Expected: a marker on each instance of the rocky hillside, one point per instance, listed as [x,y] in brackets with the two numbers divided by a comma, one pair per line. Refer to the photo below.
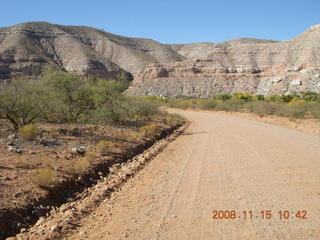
[201,69]
[241,65]
[27,47]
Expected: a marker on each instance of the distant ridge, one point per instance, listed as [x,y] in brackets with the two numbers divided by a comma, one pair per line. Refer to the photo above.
[196,69]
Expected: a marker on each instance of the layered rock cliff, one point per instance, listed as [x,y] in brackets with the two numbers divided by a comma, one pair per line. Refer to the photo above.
[241,65]
[201,69]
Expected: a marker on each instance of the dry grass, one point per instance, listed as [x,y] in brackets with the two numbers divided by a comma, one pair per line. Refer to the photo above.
[29,132]
[105,147]
[303,106]
[81,165]
[148,131]
[23,165]
[173,118]
[53,132]
[44,177]
[130,136]
[90,156]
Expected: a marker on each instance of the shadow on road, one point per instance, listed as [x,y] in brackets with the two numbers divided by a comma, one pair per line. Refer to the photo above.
[192,133]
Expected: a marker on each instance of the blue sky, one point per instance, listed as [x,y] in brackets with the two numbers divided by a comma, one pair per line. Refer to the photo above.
[174,21]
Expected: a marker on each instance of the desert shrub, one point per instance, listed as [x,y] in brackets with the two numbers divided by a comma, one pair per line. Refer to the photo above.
[259,97]
[148,131]
[208,105]
[105,147]
[44,177]
[297,100]
[296,105]
[261,108]
[315,110]
[243,96]
[29,132]
[223,106]
[286,98]
[278,108]
[231,105]
[198,102]
[297,111]
[291,110]
[132,136]
[179,103]
[173,117]
[222,97]
[142,108]
[310,96]
[273,98]
[81,165]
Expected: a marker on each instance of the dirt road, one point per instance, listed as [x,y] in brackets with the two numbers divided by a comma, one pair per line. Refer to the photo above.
[220,163]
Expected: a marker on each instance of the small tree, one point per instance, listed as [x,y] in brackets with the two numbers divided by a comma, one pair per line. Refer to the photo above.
[108,99]
[70,96]
[20,102]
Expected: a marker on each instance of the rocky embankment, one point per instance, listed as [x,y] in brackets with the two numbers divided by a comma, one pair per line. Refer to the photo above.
[60,220]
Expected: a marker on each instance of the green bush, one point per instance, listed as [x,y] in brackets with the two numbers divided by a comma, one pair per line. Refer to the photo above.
[243,96]
[286,98]
[273,98]
[259,97]
[142,108]
[310,96]
[222,97]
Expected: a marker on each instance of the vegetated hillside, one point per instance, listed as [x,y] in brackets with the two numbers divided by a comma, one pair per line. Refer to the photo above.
[245,65]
